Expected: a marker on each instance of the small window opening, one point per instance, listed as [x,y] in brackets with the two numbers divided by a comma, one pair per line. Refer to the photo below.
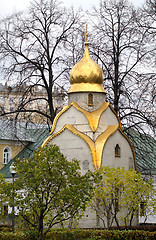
[117,150]
[90,99]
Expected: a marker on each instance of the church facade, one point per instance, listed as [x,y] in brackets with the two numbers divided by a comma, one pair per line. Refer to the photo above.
[88,129]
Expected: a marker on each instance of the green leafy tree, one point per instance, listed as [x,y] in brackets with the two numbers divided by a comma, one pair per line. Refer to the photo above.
[3,196]
[50,189]
[138,196]
[108,191]
[118,195]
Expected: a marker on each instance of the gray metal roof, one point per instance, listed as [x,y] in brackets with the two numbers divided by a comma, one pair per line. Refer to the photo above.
[20,131]
[145,150]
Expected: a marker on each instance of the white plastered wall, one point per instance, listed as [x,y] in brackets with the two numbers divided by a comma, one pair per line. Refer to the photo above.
[107,118]
[73,146]
[73,117]
[82,100]
[109,159]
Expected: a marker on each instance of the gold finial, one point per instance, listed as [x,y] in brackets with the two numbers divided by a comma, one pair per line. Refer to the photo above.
[86,75]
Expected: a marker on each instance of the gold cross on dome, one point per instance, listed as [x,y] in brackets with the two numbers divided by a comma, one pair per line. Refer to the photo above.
[86,34]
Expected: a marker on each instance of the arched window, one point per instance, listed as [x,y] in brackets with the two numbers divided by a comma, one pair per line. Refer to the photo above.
[117,150]
[6,155]
[90,99]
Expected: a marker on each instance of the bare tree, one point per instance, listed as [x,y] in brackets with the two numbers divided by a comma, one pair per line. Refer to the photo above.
[123,43]
[34,52]
[124,49]
[148,16]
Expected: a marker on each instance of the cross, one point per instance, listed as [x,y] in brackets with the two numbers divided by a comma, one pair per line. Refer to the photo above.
[86,34]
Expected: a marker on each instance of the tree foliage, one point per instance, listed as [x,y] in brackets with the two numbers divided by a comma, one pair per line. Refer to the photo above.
[3,196]
[118,195]
[50,190]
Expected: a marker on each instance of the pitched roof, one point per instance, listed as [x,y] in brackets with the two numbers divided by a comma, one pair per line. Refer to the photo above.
[12,130]
[145,150]
[39,136]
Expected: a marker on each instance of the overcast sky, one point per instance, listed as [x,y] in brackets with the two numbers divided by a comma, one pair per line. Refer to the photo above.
[10,6]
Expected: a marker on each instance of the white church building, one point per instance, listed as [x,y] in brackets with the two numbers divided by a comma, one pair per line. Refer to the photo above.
[88,129]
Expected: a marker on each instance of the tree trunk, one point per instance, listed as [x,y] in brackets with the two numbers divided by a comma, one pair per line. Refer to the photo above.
[41,235]
[108,220]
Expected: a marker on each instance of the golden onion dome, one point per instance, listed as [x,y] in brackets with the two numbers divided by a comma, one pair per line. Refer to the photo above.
[86,75]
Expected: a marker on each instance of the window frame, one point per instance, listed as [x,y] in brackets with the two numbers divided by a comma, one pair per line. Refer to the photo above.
[90,99]
[6,155]
[117,150]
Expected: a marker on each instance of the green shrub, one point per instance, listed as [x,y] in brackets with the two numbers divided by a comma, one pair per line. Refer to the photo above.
[5,228]
[81,234]
[19,235]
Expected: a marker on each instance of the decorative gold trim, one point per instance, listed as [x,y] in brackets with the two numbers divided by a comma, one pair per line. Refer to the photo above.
[72,129]
[57,117]
[95,148]
[101,141]
[86,87]
[46,141]
[132,148]
[92,117]
[120,129]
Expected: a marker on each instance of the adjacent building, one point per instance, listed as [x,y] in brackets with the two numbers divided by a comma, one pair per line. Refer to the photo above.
[21,97]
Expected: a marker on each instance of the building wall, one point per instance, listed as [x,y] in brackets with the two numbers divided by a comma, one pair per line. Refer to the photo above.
[82,100]
[73,143]
[11,97]
[15,147]
[72,147]
[124,160]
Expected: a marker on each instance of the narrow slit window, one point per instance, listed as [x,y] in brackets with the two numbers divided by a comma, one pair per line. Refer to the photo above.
[90,99]
[117,151]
